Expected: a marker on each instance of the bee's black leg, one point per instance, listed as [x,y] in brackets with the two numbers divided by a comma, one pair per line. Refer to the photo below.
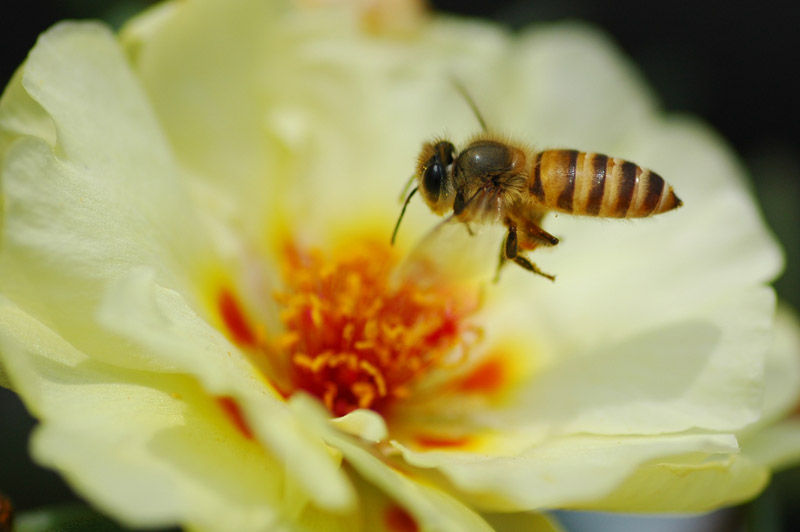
[501,260]
[510,251]
[531,267]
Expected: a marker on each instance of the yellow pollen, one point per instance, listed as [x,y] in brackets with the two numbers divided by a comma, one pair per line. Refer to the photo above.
[356,335]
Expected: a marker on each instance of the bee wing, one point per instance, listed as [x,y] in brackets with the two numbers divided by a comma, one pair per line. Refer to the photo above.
[483,206]
[456,250]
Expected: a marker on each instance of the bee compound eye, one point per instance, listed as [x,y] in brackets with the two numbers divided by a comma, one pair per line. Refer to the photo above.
[432,178]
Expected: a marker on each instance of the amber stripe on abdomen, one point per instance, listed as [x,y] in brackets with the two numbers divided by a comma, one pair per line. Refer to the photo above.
[593,184]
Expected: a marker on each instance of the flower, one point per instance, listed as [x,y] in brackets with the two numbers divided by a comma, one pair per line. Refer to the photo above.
[200,304]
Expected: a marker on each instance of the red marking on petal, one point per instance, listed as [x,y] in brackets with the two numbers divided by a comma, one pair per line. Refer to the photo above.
[234,414]
[488,377]
[235,320]
[398,520]
[441,441]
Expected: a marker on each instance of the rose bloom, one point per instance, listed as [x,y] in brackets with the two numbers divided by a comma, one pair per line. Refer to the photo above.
[201,305]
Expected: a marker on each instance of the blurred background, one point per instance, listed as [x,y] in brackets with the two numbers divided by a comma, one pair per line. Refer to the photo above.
[733,64]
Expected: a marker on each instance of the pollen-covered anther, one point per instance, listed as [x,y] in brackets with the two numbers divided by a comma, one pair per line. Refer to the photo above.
[358,336]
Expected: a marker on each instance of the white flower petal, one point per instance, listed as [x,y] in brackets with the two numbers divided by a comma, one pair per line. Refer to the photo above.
[21,115]
[775,442]
[704,371]
[775,446]
[106,197]
[310,83]
[151,449]
[567,86]
[365,424]
[431,507]
[159,321]
[203,66]
[564,472]
[782,387]
[684,484]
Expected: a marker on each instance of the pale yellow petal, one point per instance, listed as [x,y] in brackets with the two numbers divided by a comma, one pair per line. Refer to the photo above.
[104,198]
[158,323]
[151,449]
[705,370]
[775,446]
[702,371]
[366,424]
[287,86]
[430,506]
[22,115]
[203,66]
[685,484]
[782,372]
[562,472]
[567,86]
[774,441]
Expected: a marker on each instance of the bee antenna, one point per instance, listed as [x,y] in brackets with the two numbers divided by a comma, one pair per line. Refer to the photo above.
[406,187]
[463,91]
[397,225]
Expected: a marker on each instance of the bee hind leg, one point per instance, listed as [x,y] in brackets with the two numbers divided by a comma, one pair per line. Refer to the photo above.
[510,251]
[531,267]
[535,235]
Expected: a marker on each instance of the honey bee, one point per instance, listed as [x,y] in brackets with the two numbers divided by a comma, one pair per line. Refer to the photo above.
[494,180]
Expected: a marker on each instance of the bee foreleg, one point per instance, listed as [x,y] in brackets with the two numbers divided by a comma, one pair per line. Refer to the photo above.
[459,203]
[510,243]
[501,260]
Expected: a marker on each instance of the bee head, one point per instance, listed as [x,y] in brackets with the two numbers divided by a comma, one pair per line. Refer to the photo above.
[434,173]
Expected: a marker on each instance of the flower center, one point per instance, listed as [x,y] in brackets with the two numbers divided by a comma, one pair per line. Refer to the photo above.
[358,334]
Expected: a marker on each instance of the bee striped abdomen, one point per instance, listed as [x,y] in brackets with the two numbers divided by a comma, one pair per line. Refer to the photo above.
[593,184]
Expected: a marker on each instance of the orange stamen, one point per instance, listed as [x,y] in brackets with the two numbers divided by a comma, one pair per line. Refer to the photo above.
[359,338]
